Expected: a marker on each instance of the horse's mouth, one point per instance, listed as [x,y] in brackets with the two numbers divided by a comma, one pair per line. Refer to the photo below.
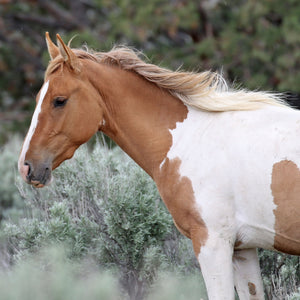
[37,184]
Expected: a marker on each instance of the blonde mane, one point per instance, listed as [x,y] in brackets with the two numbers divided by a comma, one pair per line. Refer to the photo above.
[207,91]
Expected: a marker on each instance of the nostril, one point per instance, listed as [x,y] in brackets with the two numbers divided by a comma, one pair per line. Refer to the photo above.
[29,169]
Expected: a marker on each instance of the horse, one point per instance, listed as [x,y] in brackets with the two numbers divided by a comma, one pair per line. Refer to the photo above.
[225,161]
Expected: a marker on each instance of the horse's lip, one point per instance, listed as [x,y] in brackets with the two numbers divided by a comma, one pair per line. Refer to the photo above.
[37,184]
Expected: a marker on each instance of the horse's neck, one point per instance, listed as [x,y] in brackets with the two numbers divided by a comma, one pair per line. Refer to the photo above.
[138,115]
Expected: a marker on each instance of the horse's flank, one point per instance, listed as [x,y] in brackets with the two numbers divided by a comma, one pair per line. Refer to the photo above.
[207,91]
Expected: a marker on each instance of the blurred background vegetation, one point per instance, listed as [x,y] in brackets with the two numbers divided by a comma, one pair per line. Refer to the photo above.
[102,225]
[254,43]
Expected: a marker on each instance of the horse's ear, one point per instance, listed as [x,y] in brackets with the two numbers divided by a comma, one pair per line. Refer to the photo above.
[68,55]
[52,48]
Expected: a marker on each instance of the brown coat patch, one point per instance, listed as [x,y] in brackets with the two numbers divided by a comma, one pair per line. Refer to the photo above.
[286,192]
[252,288]
[178,195]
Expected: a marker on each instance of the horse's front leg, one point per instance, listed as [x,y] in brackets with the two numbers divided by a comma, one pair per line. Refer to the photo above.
[215,258]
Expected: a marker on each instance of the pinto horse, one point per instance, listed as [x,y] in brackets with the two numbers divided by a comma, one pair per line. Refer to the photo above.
[226,162]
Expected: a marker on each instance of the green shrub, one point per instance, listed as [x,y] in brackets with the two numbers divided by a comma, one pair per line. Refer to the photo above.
[172,286]
[281,274]
[49,275]
[10,198]
[101,204]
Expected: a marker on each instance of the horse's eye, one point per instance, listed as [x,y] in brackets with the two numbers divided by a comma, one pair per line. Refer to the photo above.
[59,101]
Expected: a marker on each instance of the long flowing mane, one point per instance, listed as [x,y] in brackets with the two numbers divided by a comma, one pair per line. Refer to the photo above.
[207,90]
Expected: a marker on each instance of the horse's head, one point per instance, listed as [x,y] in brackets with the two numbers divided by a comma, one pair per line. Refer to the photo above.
[67,114]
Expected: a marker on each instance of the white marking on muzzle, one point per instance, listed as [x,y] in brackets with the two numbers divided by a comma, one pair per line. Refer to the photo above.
[23,169]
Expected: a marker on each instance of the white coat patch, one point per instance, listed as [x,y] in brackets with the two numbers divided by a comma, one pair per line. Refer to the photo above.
[224,157]
[33,125]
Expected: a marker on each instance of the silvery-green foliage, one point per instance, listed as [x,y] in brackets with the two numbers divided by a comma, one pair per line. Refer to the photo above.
[49,275]
[281,274]
[10,199]
[172,286]
[295,296]
[100,204]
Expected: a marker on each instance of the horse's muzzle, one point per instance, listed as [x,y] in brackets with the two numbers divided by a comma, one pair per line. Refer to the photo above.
[37,175]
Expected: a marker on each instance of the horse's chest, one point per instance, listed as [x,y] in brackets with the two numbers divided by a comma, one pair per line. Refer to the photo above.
[183,178]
